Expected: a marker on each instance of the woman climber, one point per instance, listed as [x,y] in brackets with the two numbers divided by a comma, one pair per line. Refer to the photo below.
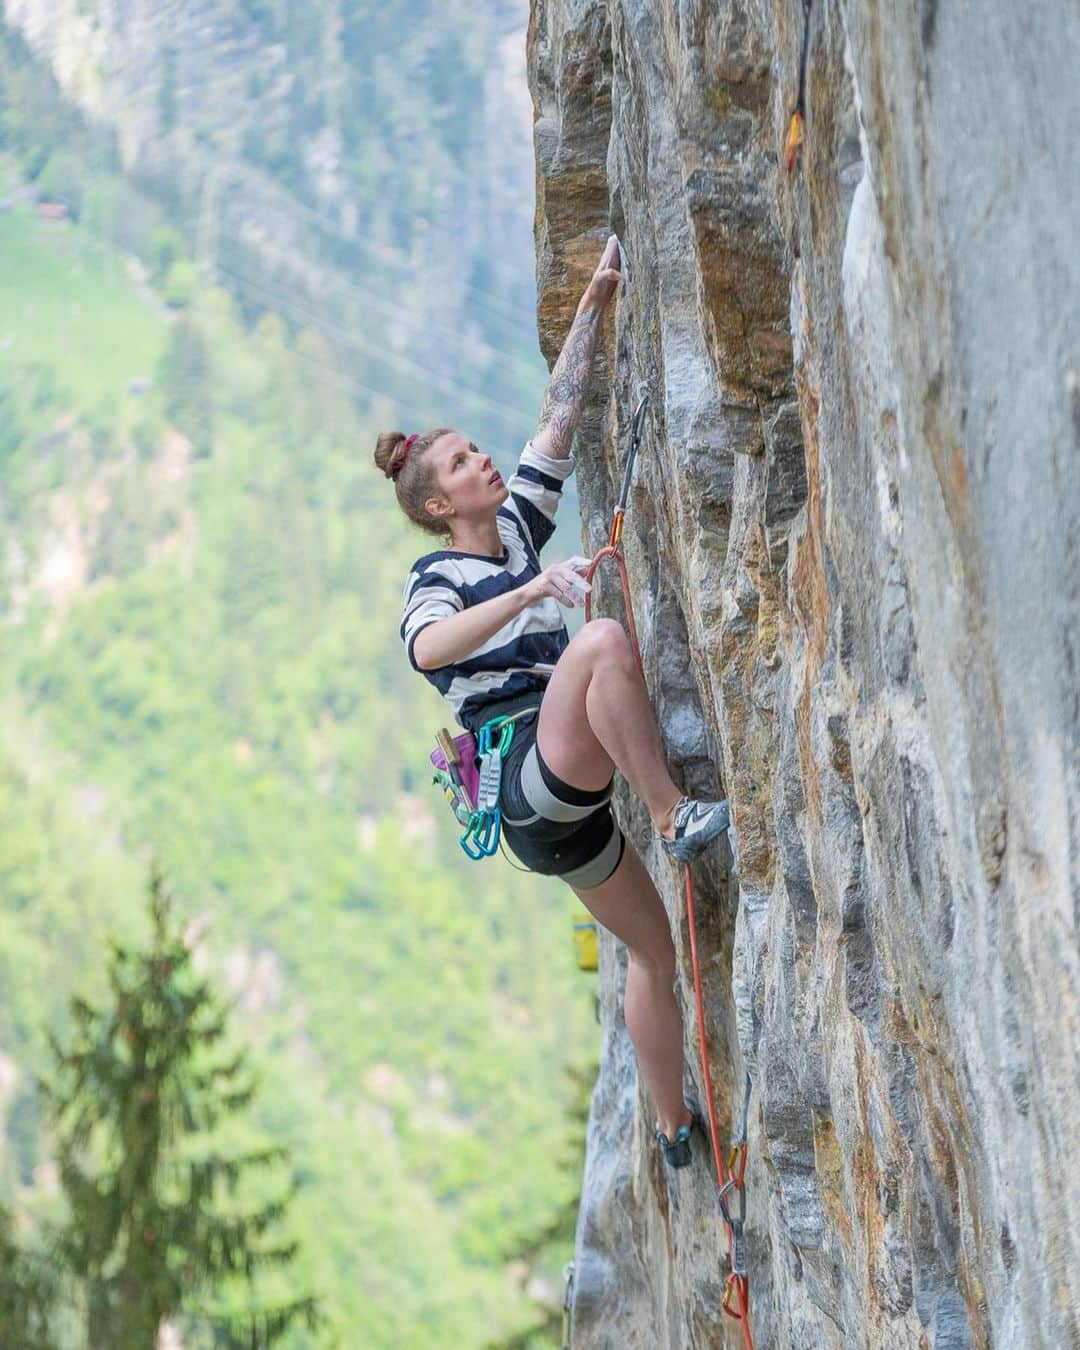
[482,622]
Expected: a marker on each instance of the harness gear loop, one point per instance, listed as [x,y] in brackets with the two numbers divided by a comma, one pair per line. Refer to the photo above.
[736,1300]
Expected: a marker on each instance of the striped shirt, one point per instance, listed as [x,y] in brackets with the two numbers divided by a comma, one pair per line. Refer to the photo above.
[522,654]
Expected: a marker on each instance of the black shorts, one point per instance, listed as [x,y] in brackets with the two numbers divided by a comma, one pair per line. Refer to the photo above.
[553,828]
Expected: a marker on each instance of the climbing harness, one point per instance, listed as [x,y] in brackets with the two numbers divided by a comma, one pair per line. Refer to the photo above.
[730,1168]
[469,770]
[798,117]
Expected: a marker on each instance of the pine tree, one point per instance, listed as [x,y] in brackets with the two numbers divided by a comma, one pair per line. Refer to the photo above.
[185,377]
[134,1107]
[28,1293]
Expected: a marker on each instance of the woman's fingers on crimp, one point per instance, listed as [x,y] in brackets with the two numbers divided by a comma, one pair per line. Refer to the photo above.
[605,279]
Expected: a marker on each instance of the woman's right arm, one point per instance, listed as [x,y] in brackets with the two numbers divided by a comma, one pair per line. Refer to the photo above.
[452,639]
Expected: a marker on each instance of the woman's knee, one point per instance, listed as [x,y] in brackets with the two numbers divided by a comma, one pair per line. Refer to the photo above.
[657,963]
[605,642]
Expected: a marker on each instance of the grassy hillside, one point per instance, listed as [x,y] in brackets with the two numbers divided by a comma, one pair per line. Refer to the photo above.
[200,657]
[67,308]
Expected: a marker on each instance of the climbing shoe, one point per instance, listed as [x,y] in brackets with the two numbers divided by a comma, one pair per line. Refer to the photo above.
[696,825]
[677,1151]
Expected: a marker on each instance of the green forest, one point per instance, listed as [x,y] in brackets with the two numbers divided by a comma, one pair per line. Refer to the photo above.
[199,663]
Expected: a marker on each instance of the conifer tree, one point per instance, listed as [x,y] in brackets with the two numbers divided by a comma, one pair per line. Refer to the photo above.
[134,1106]
[185,376]
[28,1294]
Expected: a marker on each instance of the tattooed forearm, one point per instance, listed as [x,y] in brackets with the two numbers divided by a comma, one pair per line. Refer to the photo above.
[564,397]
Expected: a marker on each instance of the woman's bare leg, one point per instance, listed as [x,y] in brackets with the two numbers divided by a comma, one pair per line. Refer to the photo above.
[596,713]
[627,904]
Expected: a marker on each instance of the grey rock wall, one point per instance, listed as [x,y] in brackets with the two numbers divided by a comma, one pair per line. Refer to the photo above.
[854,547]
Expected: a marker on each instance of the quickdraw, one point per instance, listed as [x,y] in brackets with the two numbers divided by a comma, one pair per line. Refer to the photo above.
[481,837]
[730,1175]
[798,116]
[474,797]
[613,548]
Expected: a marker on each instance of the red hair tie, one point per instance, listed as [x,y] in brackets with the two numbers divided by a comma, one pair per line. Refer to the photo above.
[401,462]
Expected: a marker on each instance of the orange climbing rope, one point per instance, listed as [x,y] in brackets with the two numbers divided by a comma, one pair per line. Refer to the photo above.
[732,1176]
[730,1171]
[613,550]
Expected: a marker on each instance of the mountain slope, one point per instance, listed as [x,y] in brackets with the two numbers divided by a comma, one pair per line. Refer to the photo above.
[201,658]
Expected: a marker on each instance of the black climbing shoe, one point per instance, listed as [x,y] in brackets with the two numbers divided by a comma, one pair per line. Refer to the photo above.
[677,1151]
[696,825]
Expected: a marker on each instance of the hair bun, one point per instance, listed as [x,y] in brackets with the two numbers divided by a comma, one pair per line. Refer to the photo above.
[418,485]
[388,452]
[398,462]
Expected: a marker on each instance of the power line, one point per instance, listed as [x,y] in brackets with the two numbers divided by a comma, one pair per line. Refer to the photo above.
[289,306]
[278,198]
[491,302]
[389,308]
[494,303]
[344,337]
[351,384]
[383,257]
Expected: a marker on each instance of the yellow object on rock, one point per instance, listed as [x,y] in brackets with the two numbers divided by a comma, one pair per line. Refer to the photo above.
[585,939]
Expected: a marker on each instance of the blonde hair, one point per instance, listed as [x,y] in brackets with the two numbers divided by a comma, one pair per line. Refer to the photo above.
[413,480]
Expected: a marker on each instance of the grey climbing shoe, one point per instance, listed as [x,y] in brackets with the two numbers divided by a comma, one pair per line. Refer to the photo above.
[677,1151]
[696,825]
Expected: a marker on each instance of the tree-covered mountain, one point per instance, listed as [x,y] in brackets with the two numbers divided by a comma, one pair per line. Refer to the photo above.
[200,581]
[362,167]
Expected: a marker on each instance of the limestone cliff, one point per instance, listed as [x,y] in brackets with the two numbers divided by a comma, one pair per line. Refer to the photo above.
[854,548]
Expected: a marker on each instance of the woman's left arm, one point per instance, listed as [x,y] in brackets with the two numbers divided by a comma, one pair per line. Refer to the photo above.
[564,398]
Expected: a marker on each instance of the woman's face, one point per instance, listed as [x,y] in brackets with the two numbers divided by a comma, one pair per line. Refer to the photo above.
[466,479]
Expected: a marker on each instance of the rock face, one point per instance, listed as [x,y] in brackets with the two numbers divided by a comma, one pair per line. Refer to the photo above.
[855,552]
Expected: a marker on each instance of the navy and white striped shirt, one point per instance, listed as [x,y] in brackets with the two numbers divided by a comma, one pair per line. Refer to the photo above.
[522,654]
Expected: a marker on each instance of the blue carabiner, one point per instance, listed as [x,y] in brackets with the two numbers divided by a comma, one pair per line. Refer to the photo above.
[487,837]
[484,828]
[472,850]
